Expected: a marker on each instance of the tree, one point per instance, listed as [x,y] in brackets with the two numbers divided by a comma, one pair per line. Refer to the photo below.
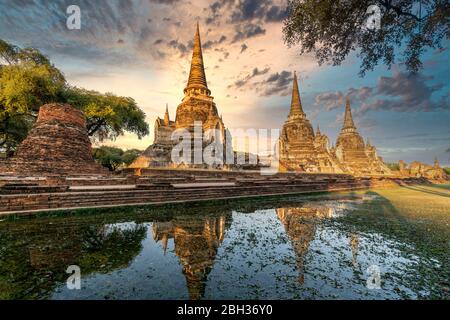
[114,158]
[130,155]
[332,29]
[28,80]
[109,157]
[108,116]
[393,166]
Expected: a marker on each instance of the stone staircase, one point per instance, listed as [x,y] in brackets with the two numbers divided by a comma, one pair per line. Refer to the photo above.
[31,197]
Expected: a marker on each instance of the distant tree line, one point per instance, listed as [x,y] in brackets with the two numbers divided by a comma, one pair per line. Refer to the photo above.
[393,166]
[29,80]
[114,158]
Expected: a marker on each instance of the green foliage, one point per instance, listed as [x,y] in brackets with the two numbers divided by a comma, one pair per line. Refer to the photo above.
[393,166]
[114,158]
[447,170]
[332,29]
[28,80]
[130,155]
[108,116]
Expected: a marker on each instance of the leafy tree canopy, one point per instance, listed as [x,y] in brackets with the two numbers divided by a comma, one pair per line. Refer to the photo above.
[28,80]
[108,116]
[393,166]
[332,29]
[113,158]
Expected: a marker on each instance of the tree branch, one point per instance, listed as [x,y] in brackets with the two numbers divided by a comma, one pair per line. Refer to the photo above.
[93,128]
[389,6]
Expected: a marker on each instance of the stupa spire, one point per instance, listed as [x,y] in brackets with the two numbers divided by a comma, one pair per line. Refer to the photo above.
[436,163]
[296,104]
[166,116]
[348,119]
[197,77]
[318,131]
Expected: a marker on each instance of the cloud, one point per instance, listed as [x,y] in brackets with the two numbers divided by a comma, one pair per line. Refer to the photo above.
[246,31]
[166,2]
[401,92]
[277,83]
[258,10]
[182,48]
[212,43]
[330,100]
[242,82]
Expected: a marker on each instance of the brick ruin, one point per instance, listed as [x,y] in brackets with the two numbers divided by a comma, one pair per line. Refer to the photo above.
[57,144]
[303,150]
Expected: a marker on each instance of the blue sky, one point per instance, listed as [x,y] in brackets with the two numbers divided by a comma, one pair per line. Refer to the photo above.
[142,49]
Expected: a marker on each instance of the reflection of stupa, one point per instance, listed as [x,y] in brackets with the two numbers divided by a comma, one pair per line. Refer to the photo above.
[300,225]
[354,244]
[196,241]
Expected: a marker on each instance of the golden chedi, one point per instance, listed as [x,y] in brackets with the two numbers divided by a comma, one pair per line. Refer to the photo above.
[197,106]
[296,144]
[300,150]
[354,155]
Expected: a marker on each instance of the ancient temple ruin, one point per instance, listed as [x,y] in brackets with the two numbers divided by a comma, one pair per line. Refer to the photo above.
[422,170]
[355,156]
[299,148]
[303,150]
[297,138]
[197,107]
[57,144]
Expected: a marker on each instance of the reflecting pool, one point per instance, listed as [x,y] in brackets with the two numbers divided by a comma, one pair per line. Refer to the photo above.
[378,244]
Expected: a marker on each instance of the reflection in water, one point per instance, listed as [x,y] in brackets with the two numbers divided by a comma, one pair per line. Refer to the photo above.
[354,243]
[196,242]
[34,258]
[292,249]
[300,225]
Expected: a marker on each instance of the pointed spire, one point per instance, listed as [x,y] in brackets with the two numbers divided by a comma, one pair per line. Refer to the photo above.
[436,163]
[318,131]
[197,77]
[368,143]
[166,116]
[296,104]
[348,119]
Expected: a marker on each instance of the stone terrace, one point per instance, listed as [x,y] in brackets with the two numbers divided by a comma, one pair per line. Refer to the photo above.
[26,195]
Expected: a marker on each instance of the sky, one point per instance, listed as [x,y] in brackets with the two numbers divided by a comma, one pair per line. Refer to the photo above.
[142,49]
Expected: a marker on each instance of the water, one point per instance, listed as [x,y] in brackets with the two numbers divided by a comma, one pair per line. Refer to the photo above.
[317,247]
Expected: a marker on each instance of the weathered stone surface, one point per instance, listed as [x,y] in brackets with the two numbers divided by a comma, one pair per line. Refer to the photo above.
[197,106]
[355,156]
[297,151]
[157,186]
[58,144]
[302,150]
[422,170]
